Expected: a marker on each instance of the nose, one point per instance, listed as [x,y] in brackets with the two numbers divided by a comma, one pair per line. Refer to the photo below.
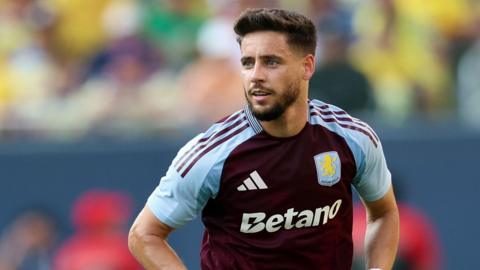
[258,73]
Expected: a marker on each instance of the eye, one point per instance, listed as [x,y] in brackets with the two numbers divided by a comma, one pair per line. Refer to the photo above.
[247,63]
[271,62]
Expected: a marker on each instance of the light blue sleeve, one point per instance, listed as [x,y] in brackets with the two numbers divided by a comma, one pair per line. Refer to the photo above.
[177,200]
[373,177]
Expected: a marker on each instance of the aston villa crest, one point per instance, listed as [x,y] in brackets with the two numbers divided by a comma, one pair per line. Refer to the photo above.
[328,168]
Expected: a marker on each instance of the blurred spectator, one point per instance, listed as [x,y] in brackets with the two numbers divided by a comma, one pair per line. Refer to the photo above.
[419,246]
[403,48]
[119,73]
[123,87]
[335,79]
[121,21]
[78,32]
[211,85]
[100,239]
[26,66]
[172,25]
[28,242]
[468,68]
[468,86]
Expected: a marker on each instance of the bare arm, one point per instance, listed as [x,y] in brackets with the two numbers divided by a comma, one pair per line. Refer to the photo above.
[381,239]
[147,241]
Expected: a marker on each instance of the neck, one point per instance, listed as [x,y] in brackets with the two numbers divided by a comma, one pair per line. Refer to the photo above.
[291,122]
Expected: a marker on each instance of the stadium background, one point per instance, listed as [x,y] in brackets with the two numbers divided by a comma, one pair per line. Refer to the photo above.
[100,95]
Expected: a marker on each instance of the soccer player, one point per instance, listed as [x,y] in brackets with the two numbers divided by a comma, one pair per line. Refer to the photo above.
[273,181]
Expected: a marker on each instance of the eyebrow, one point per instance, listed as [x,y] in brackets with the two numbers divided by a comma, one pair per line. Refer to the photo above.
[270,56]
[263,57]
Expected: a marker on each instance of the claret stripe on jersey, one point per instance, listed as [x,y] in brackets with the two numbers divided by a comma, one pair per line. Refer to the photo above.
[345,117]
[212,136]
[202,144]
[237,127]
[349,118]
[242,128]
[318,112]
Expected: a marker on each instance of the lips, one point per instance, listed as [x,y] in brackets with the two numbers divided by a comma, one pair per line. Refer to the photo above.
[260,95]
[260,92]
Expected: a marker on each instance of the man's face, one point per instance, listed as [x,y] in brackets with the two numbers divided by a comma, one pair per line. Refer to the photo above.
[272,74]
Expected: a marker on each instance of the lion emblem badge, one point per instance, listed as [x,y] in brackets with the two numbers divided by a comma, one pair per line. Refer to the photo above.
[328,168]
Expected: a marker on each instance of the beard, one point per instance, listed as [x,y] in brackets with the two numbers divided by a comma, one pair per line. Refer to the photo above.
[289,96]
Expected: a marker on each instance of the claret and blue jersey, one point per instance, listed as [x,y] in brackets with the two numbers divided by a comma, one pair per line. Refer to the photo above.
[274,203]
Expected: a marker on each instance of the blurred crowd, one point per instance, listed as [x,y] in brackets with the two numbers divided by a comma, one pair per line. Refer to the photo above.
[99,240]
[76,68]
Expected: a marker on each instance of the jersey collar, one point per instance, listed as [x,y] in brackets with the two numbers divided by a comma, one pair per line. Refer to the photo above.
[252,120]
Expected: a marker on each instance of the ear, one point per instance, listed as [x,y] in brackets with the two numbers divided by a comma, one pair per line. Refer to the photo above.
[308,66]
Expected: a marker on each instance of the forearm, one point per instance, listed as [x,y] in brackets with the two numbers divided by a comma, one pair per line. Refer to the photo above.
[381,240]
[147,242]
[154,253]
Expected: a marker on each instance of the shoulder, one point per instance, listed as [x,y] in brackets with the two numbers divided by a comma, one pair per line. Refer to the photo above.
[215,144]
[373,178]
[337,120]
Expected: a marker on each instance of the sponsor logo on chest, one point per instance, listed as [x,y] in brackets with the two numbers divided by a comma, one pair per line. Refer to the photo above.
[258,222]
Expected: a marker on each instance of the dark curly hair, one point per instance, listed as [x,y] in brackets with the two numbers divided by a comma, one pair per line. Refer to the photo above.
[300,30]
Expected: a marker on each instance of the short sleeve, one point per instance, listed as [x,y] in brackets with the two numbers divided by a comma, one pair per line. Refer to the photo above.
[177,200]
[373,177]
[194,176]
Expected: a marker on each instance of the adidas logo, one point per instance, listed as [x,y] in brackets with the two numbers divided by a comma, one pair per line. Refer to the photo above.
[252,183]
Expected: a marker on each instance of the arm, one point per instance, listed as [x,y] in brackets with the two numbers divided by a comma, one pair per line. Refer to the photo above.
[147,241]
[382,235]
